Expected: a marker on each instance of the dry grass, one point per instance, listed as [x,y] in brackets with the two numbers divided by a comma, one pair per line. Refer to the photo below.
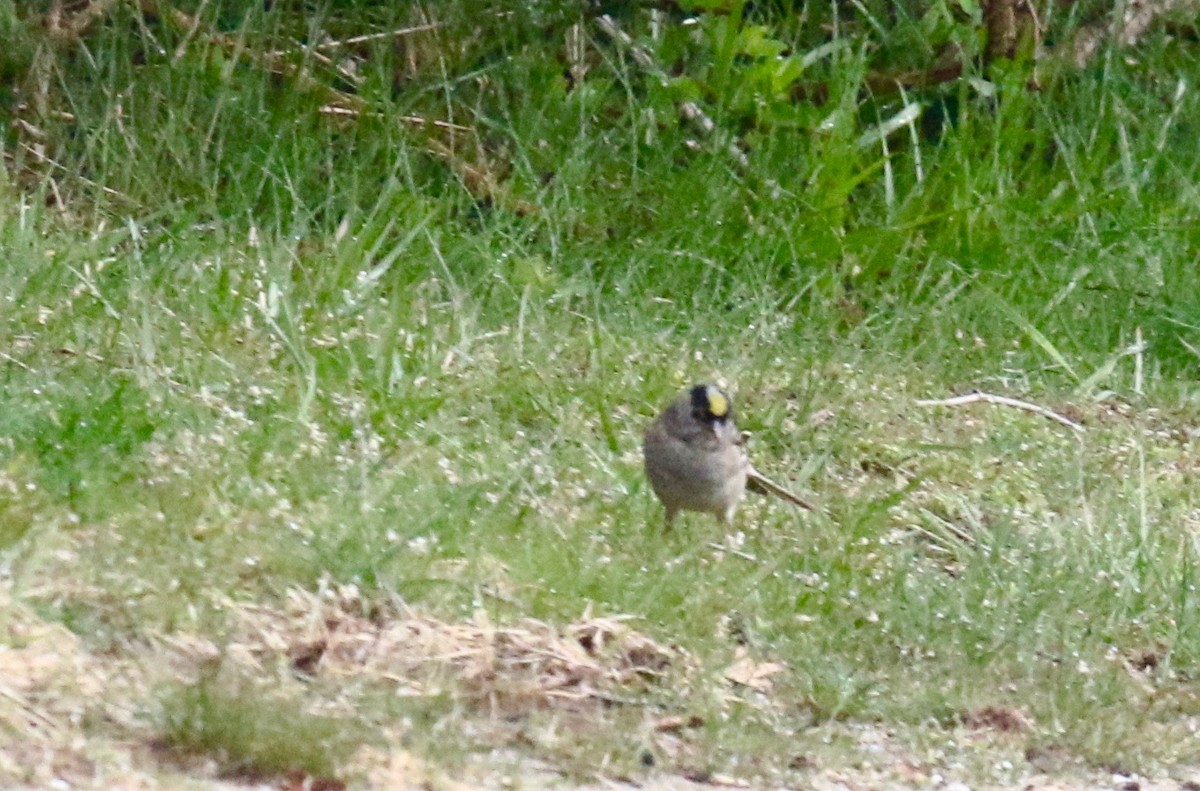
[504,671]
[75,719]
[83,718]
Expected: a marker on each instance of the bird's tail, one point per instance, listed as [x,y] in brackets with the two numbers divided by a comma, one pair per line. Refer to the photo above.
[757,482]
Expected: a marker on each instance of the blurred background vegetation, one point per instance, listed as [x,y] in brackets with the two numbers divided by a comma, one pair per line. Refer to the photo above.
[876,151]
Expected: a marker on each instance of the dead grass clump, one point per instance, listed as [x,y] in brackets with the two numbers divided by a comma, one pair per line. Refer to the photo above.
[233,707]
[509,669]
[47,688]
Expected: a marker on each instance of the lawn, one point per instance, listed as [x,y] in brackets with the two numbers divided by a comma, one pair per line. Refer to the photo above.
[325,363]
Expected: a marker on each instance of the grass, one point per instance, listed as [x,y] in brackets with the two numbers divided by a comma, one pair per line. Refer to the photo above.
[252,734]
[288,352]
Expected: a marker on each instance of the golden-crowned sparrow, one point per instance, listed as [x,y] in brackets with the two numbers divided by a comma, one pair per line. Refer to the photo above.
[696,460]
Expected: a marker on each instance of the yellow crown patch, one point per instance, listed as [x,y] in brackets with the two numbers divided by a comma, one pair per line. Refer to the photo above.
[718,404]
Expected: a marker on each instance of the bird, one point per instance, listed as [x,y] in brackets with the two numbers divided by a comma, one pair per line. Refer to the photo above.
[695,457]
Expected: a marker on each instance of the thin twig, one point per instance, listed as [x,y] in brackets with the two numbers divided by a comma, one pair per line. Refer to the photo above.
[345,42]
[737,552]
[959,533]
[991,398]
[416,120]
[938,542]
[9,358]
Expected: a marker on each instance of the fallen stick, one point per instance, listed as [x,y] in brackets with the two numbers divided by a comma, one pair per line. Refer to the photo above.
[990,398]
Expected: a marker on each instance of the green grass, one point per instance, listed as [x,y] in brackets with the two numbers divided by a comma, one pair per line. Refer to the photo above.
[288,351]
[251,733]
